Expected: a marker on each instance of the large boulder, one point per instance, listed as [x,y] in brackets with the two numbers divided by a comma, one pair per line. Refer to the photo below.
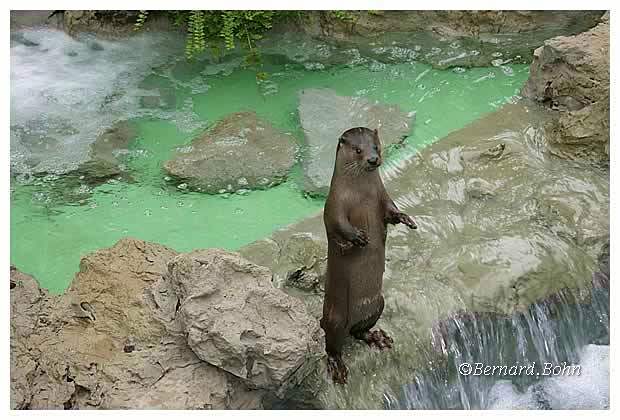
[239,152]
[117,338]
[325,115]
[570,75]
[236,320]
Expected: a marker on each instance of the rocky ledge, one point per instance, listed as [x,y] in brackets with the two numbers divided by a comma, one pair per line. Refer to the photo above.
[143,326]
[570,76]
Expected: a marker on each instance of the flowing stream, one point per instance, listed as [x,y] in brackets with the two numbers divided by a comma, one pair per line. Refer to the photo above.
[66,92]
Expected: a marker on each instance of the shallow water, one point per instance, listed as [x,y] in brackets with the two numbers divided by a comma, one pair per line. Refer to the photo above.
[66,92]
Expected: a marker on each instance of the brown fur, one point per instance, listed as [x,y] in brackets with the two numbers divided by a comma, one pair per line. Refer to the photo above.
[356,215]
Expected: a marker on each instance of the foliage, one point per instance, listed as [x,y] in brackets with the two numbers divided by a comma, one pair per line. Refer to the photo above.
[342,15]
[246,26]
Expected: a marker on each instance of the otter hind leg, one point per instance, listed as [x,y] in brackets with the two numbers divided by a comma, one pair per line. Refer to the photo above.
[377,338]
[335,334]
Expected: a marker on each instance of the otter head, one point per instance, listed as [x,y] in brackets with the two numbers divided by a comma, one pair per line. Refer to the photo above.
[359,151]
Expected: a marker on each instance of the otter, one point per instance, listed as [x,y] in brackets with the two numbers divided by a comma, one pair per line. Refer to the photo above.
[356,215]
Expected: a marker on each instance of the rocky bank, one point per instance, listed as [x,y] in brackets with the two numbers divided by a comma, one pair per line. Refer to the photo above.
[570,76]
[143,326]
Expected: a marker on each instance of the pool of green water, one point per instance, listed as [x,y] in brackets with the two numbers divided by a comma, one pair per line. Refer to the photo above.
[48,236]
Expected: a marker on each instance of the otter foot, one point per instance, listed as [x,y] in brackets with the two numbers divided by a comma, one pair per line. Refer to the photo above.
[377,338]
[495,151]
[338,370]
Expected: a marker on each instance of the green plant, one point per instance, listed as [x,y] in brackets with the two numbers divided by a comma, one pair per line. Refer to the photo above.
[342,15]
[204,27]
[142,15]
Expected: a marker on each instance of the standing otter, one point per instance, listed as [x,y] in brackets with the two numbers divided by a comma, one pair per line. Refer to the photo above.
[356,215]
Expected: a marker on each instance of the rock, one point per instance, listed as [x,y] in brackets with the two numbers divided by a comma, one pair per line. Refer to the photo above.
[112,23]
[236,320]
[21,19]
[18,38]
[240,151]
[304,262]
[117,338]
[570,75]
[443,38]
[103,162]
[325,115]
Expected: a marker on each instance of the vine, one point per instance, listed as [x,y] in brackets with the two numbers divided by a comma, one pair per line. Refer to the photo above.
[232,26]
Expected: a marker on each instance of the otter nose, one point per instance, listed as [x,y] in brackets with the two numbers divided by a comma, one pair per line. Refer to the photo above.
[373,160]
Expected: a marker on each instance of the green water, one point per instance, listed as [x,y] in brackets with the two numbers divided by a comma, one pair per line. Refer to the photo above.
[49,235]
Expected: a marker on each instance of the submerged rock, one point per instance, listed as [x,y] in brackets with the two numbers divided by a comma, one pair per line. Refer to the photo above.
[325,115]
[570,75]
[117,338]
[240,151]
[104,162]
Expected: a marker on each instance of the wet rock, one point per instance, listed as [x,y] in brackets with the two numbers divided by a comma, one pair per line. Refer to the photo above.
[570,75]
[236,320]
[18,38]
[303,262]
[446,38]
[325,115]
[480,188]
[103,162]
[600,278]
[240,151]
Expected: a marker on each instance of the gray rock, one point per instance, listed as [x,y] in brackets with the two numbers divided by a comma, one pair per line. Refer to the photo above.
[570,75]
[325,115]
[240,151]
[303,262]
[104,162]
[479,188]
[237,321]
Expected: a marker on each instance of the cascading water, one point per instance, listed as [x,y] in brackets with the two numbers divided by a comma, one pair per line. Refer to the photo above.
[564,341]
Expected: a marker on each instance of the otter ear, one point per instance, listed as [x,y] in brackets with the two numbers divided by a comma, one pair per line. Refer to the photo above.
[341,141]
[376,135]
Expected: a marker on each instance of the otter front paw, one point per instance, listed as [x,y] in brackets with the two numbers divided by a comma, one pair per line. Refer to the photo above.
[360,238]
[405,219]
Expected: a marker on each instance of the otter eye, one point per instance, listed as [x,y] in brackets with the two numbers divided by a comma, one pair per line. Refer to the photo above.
[358,150]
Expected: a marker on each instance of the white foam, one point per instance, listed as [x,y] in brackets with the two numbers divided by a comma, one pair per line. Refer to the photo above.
[586,391]
[65,92]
